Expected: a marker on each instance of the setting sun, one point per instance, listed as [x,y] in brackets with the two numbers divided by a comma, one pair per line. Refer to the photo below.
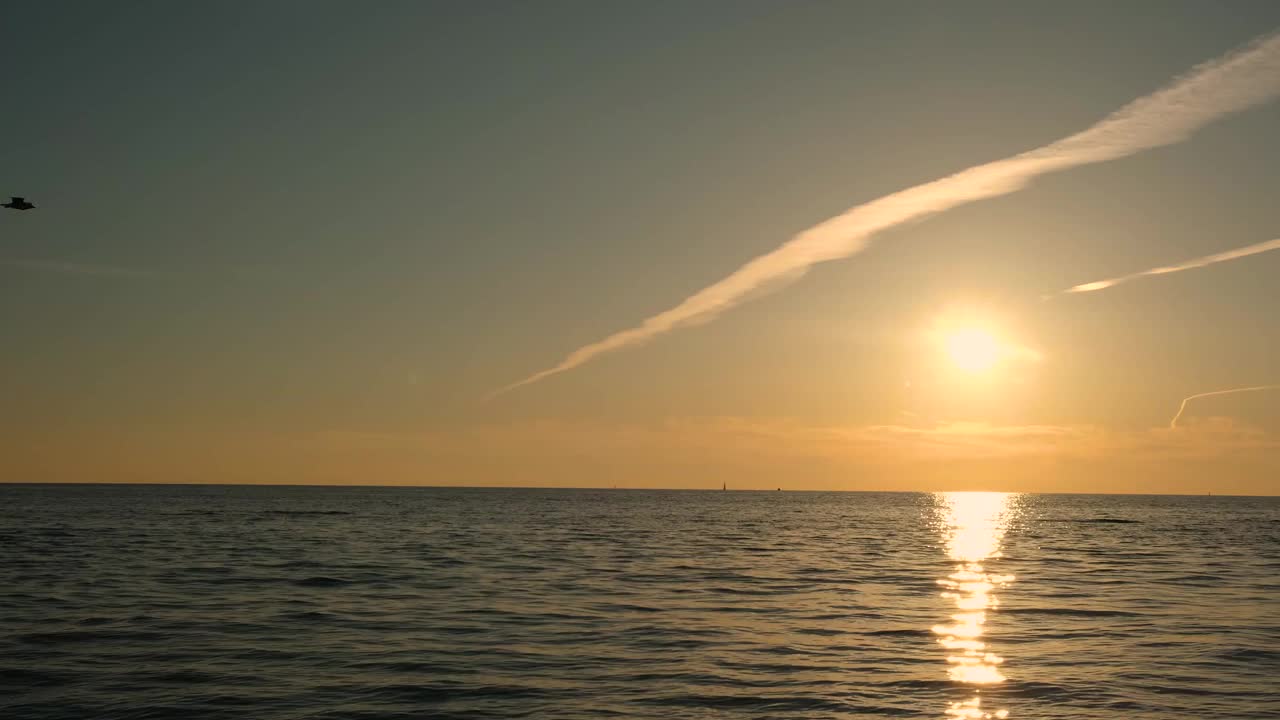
[971,349]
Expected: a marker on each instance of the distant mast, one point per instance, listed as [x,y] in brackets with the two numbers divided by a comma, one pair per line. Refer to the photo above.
[725,486]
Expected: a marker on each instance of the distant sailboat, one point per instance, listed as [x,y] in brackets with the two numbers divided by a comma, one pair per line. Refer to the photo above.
[724,486]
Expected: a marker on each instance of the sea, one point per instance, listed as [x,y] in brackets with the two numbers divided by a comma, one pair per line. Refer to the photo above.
[362,603]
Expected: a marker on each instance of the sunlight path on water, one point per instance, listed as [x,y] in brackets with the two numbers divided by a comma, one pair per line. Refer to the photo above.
[972,525]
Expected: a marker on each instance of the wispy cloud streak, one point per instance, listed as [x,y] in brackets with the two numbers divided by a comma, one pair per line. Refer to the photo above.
[1188,265]
[1173,424]
[67,268]
[1239,80]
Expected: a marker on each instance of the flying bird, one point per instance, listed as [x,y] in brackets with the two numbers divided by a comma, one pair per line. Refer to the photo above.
[18,203]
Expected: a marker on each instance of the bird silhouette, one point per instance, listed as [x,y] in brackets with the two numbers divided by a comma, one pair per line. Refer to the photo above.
[18,203]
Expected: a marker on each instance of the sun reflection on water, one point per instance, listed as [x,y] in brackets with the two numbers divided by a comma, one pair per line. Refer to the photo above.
[972,524]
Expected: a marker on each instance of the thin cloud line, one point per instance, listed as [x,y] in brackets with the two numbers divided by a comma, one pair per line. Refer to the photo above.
[1234,82]
[1173,424]
[68,268]
[1188,265]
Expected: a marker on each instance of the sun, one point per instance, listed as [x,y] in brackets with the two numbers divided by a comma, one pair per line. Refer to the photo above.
[975,344]
[972,349]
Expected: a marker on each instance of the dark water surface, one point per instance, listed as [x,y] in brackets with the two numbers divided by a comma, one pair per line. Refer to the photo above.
[270,603]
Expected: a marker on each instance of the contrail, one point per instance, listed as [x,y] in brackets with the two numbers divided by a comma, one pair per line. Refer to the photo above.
[1188,265]
[1239,80]
[1173,424]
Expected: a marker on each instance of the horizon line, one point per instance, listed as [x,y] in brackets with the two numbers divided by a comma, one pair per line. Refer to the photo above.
[599,487]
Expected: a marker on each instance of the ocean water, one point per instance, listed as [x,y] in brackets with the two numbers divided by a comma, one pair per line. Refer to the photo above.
[288,603]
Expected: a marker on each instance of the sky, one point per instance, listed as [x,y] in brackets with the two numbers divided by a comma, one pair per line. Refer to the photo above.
[306,242]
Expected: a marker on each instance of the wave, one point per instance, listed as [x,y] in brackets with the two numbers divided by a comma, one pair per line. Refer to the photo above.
[1067,612]
[322,581]
[302,513]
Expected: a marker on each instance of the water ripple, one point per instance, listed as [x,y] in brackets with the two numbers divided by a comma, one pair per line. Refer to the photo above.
[133,602]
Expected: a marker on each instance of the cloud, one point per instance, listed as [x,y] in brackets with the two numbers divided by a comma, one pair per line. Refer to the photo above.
[750,440]
[67,268]
[1218,454]
[1187,265]
[1173,423]
[1237,81]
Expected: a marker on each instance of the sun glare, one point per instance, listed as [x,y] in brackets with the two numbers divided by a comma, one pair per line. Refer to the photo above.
[973,525]
[971,349]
